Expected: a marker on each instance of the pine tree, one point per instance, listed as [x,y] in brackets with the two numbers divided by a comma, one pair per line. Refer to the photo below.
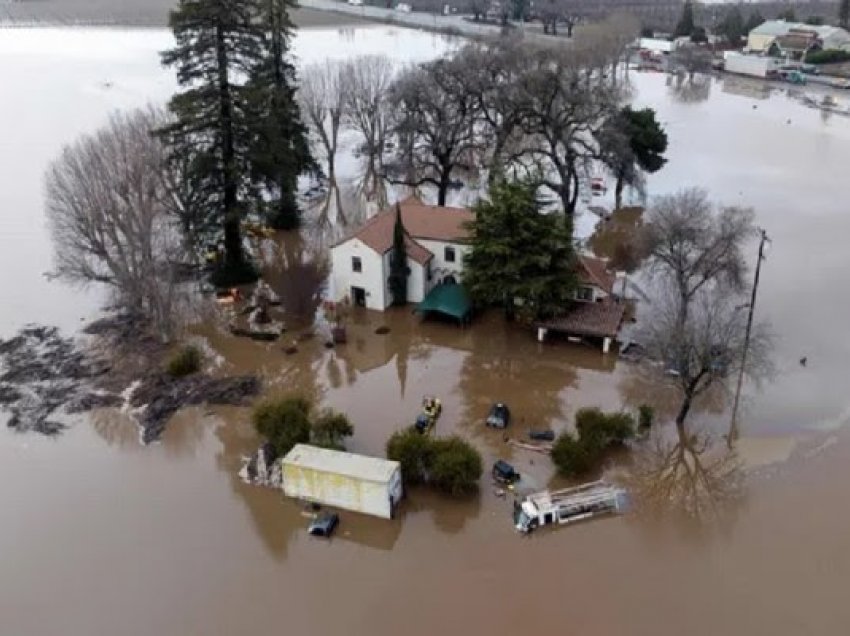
[217,41]
[686,22]
[280,148]
[844,13]
[520,253]
[398,261]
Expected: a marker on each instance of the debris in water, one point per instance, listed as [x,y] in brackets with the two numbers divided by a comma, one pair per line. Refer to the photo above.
[382,330]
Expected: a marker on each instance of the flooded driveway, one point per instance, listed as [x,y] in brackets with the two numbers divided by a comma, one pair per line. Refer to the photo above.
[101,535]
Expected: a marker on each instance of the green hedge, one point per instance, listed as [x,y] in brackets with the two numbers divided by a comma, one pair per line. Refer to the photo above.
[448,464]
[598,432]
[829,56]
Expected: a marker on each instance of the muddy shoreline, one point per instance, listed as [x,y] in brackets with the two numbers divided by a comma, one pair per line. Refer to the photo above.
[46,377]
[131,13]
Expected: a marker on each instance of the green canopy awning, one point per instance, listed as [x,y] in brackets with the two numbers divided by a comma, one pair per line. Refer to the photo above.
[449,299]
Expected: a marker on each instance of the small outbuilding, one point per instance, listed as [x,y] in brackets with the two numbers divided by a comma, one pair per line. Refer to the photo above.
[370,485]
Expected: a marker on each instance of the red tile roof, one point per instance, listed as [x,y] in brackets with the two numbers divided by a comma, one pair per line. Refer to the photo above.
[594,271]
[421,221]
[600,319]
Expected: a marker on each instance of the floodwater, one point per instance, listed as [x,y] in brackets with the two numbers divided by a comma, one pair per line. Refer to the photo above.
[102,536]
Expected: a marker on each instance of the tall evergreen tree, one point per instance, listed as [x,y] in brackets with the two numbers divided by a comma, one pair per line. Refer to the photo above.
[398,261]
[686,22]
[844,13]
[756,19]
[280,149]
[520,254]
[218,43]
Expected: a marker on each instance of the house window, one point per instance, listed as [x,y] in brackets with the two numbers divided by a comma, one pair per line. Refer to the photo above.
[450,254]
[356,264]
[584,293]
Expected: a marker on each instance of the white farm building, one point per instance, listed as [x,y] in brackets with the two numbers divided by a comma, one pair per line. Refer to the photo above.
[437,239]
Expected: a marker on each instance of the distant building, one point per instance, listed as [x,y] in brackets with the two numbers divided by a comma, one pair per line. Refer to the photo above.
[796,37]
[437,241]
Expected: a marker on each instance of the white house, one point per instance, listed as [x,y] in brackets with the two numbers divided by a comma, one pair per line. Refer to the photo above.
[437,241]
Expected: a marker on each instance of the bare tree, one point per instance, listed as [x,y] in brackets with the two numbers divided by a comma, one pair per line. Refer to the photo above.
[706,349]
[367,81]
[322,101]
[435,126]
[692,60]
[694,247]
[563,112]
[107,208]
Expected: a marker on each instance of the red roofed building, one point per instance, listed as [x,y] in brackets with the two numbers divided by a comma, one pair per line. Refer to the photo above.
[437,240]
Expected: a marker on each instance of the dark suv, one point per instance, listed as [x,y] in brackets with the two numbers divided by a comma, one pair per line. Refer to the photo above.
[499,416]
[504,473]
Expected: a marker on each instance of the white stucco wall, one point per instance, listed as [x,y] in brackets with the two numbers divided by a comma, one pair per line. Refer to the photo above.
[417,285]
[439,266]
[372,277]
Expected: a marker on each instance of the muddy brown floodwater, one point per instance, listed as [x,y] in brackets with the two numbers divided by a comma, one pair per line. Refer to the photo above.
[101,535]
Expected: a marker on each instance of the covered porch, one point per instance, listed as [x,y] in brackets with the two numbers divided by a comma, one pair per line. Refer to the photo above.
[596,320]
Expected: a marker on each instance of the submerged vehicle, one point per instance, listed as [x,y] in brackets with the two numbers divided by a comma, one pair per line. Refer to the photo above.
[427,419]
[546,435]
[499,416]
[569,505]
[504,473]
[324,524]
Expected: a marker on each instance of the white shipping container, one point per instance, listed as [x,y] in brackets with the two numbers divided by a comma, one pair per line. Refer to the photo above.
[344,480]
[752,65]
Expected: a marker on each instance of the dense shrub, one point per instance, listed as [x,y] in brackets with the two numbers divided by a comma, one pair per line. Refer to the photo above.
[415,453]
[829,56]
[451,464]
[597,433]
[185,361]
[288,421]
[572,457]
[604,429]
[329,428]
[283,422]
[456,466]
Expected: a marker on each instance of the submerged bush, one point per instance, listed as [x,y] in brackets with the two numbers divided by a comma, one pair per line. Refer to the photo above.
[456,466]
[283,422]
[288,421]
[185,361]
[598,432]
[414,452]
[828,56]
[329,428]
[451,465]
[572,457]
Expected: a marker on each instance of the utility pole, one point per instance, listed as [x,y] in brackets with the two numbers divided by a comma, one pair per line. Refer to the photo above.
[733,426]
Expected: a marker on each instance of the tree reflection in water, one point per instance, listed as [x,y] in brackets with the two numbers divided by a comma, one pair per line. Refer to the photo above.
[689,91]
[692,477]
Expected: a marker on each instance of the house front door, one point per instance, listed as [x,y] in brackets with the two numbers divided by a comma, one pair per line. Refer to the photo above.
[358,296]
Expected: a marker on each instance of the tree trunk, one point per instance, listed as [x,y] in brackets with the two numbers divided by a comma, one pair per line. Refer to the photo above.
[443,187]
[232,231]
[618,192]
[684,409]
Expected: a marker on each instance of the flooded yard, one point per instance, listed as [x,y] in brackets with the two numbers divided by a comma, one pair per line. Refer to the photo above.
[103,535]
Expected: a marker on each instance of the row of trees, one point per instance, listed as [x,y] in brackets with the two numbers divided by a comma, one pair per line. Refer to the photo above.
[236,123]
[510,107]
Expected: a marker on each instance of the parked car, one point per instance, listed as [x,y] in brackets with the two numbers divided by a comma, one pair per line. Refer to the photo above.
[504,473]
[499,416]
[324,524]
